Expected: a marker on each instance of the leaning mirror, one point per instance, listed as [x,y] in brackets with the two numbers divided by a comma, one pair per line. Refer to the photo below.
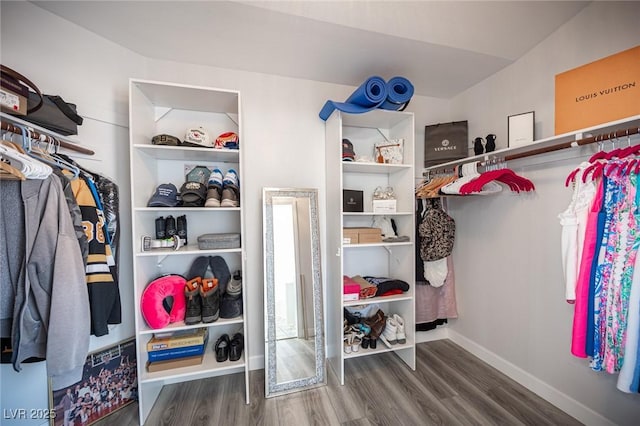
[294,331]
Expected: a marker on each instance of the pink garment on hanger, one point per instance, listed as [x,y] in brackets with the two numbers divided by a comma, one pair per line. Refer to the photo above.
[434,303]
[579,335]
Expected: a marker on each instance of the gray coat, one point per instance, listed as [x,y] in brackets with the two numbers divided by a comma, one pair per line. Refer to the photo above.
[51,316]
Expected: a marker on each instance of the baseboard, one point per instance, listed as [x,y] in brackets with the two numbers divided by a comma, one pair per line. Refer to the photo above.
[431,335]
[567,404]
[256,362]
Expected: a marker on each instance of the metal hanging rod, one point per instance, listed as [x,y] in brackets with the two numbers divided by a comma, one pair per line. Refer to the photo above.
[585,141]
[492,156]
[10,127]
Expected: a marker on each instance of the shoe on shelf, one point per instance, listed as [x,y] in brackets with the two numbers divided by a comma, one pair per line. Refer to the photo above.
[234,288]
[222,348]
[366,341]
[236,346]
[210,296]
[348,342]
[220,270]
[193,314]
[230,189]
[373,343]
[400,334]
[214,189]
[389,334]
[357,340]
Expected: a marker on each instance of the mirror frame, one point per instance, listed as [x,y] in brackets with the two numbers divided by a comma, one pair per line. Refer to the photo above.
[272,388]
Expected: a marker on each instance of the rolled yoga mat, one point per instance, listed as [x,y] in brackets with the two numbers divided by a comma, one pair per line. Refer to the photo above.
[370,95]
[399,93]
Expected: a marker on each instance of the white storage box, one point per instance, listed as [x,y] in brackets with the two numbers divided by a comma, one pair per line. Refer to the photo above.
[384,206]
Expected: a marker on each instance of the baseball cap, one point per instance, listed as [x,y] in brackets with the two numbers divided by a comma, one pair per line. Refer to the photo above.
[198,137]
[165,139]
[165,195]
[227,140]
[348,154]
[199,174]
[193,194]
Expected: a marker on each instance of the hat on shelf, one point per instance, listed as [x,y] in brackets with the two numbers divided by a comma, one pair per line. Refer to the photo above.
[198,174]
[348,154]
[165,139]
[193,194]
[228,140]
[197,137]
[165,195]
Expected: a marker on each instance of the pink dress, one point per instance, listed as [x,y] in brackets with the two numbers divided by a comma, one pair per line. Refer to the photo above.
[578,340]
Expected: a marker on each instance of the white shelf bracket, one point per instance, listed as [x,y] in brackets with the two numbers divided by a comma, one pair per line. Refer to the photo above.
[160,112]
[383,135]
[232,117]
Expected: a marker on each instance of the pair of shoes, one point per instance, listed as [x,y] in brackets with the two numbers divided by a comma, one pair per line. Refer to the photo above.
[376,323]
[169,226]
[353,338]
[480,146]
[203,289]
[394,331]
[223,191]
[231,349]
[368,342]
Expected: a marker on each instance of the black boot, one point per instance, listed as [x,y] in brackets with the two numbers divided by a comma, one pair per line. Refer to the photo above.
[491,142]
[478,148]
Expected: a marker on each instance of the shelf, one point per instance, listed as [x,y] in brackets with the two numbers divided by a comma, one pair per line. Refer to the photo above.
[382,299]
[380,348]
[355,167]
[188,97]
[177,326]
[376,119]
[187,209]
[404,243]
[186,250]
[164,152]
[206,369]
[612,126]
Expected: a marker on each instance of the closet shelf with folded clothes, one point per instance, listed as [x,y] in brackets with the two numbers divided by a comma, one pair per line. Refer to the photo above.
[11,124]
[606,131]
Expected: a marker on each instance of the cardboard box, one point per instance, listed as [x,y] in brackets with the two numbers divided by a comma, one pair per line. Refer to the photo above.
[349,236]
[152,367]
[384,206]
[365,235]
[12,103]
[352,201]
[598,92]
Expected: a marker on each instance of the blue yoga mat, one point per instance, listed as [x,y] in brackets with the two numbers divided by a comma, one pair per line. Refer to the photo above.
[371,94]
[399,93]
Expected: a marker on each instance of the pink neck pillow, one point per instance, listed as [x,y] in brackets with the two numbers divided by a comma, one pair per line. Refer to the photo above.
[163,301]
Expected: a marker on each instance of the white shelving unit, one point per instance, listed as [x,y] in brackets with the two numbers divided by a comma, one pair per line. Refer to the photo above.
[156,108]
[393,260]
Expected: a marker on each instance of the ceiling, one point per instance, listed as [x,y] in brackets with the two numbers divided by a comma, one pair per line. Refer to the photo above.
[442,47]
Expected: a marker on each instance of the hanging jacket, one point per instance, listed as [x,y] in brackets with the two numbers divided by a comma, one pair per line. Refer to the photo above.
[51,306]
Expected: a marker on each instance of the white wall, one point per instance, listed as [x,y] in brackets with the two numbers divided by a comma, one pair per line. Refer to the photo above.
[507,254]
[282,140]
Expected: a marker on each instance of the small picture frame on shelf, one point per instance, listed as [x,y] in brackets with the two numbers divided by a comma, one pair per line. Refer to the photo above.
[520,129]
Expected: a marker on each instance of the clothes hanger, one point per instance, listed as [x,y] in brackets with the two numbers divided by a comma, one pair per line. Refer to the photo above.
[7,170]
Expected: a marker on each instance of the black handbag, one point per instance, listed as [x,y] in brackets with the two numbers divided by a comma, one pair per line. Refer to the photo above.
[48,111]
[55,114]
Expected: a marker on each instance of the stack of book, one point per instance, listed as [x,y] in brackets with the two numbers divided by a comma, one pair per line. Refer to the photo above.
[176,349]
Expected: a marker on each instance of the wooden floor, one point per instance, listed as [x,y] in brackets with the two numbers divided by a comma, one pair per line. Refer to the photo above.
[449,387]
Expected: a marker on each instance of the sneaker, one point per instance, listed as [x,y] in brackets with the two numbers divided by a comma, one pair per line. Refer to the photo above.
[230,197]
[234,288]
[230,189]
[210,295]
[214,189]
[400,335]
[193,313]
[390,334]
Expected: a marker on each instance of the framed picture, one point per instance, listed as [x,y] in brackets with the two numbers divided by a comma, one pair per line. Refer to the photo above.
[109,382]
[520,129]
